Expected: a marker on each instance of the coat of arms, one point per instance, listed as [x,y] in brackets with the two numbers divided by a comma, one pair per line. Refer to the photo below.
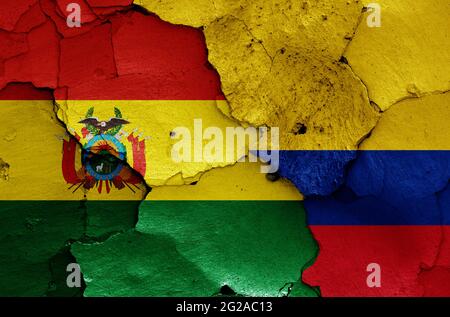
[104,156]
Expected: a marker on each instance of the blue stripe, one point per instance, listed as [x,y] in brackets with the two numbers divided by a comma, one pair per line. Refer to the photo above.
[371,187]
[315,172]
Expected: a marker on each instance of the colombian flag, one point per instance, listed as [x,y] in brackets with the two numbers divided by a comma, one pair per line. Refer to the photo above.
[392,209]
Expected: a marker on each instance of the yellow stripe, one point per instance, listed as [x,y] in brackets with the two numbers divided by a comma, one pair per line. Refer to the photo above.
[413,124]
[31,144]
[242,181]
[155,120]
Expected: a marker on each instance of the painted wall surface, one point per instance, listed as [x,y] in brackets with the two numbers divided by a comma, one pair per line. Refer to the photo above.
[358,92]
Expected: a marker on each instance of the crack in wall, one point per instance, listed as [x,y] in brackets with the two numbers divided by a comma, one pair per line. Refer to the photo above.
[391,72]
[4,170]
[86,239]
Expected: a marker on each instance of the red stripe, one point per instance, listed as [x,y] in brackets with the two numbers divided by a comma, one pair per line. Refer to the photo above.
[408,255]
[24,91]
[109,3]
[126,56]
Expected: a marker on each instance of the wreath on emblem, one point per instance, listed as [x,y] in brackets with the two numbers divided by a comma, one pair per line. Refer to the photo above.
[114,125]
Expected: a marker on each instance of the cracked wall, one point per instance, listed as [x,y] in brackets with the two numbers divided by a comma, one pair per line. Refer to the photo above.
[291,75]
[393,208]
[4,170]
[408,56]
[40,217]
[234,235]
[356,158]
[154,101]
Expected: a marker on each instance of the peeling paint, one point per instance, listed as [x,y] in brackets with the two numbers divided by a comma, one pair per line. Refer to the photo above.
[162,170]
[234,234]
[406,57]
[413,124]
[393,208]
[40,216]
[279,66]
[4,170]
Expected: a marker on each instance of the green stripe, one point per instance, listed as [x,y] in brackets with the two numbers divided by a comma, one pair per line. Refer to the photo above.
[192,248]
[34,235]
[179,248]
